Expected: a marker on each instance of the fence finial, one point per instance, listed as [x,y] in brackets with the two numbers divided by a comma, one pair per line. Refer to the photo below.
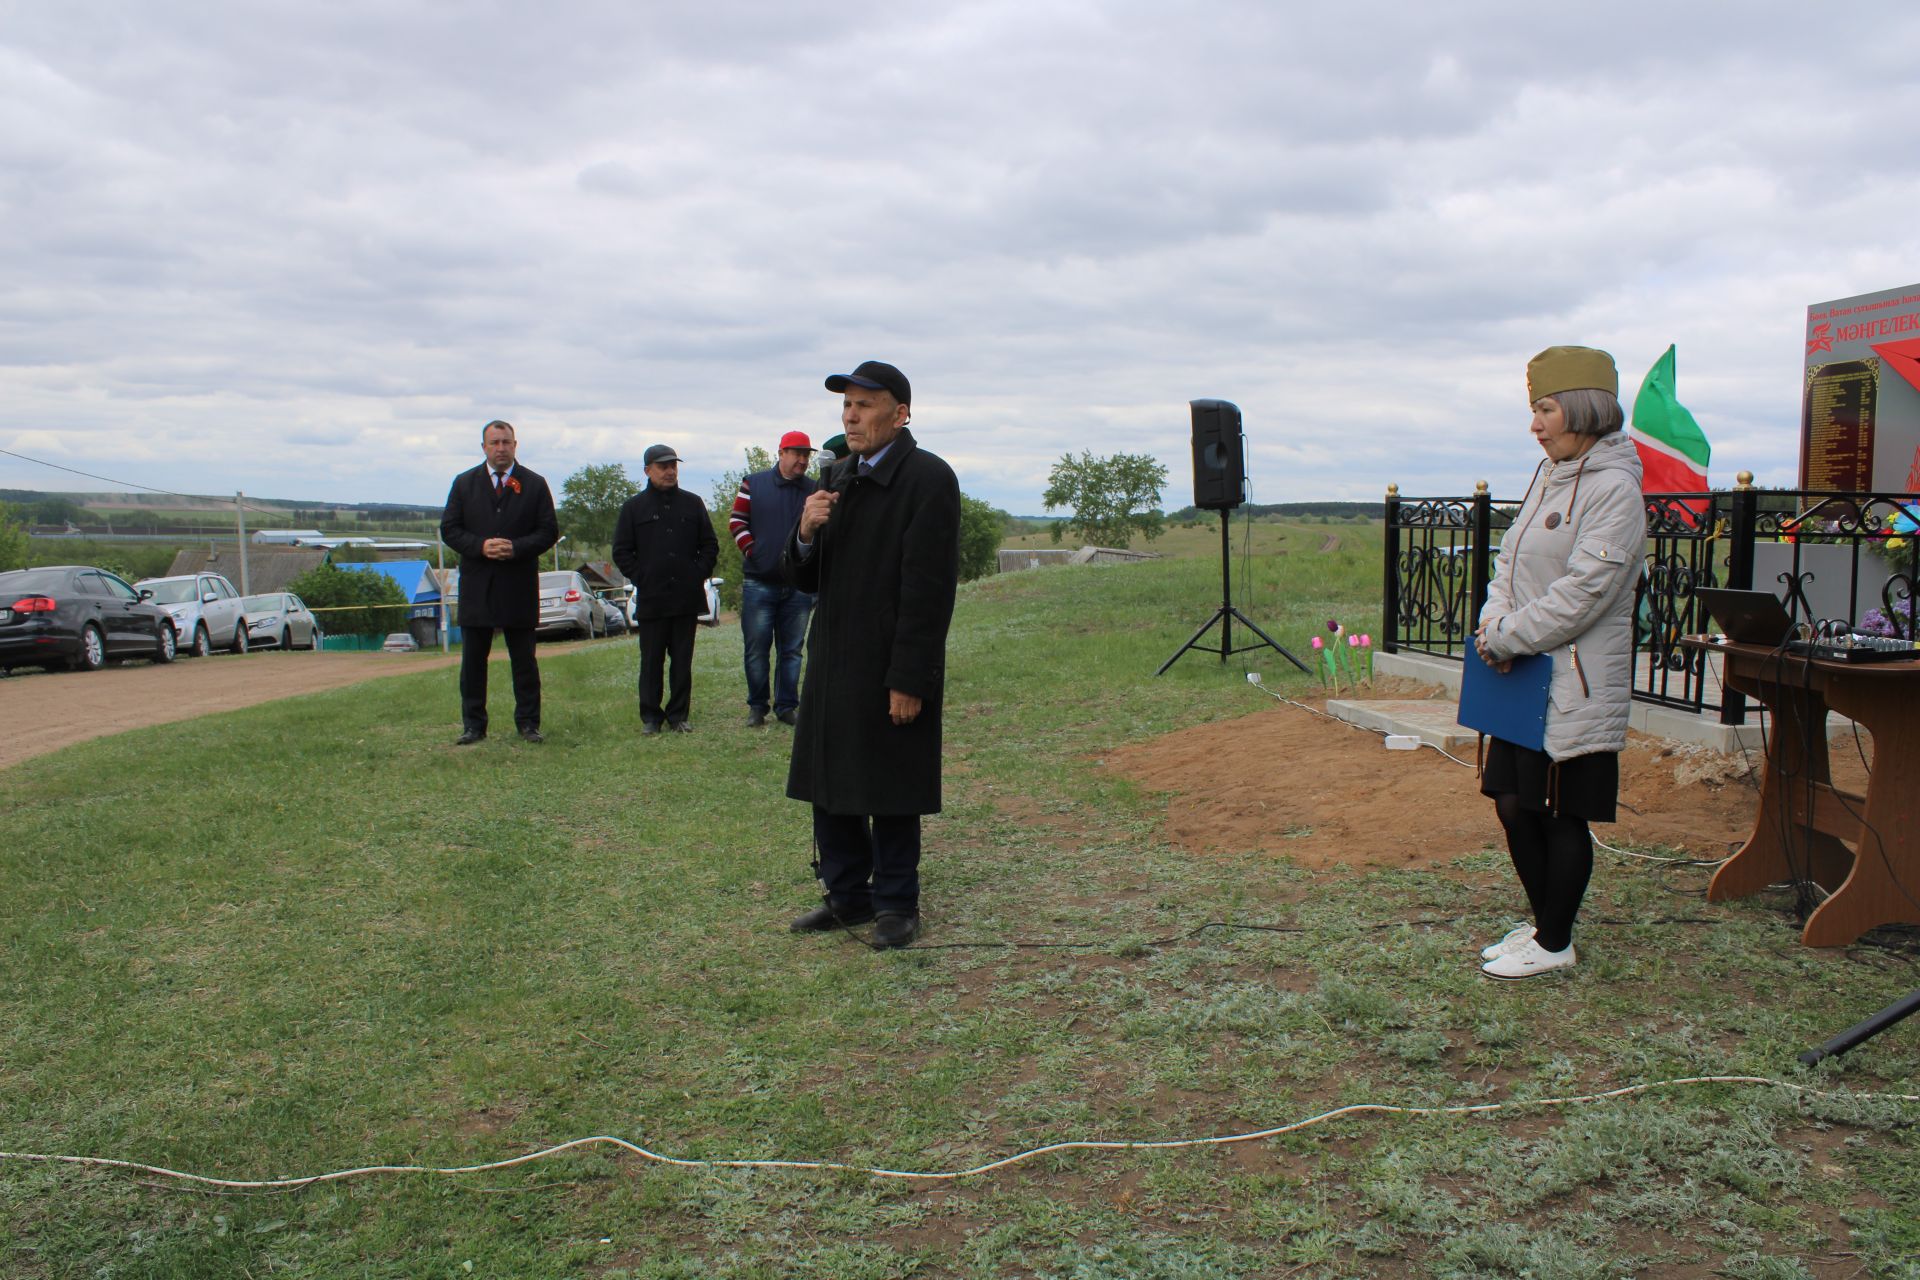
[1479,487]
[1744,480]
[1393,491]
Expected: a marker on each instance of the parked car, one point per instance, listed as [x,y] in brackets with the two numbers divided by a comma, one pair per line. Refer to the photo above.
[281,620]
[711,618]
[207,611]
[616,611]
[568,607]
[78,617]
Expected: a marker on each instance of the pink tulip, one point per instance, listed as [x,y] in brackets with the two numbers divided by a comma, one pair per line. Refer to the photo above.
[1317,644]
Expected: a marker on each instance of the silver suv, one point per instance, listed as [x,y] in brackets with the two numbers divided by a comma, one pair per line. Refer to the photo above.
[207,612]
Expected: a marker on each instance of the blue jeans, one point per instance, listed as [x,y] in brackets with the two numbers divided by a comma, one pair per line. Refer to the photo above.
[776,615]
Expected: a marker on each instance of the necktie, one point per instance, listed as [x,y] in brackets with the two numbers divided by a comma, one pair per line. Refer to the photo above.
[499,482]
[866,468]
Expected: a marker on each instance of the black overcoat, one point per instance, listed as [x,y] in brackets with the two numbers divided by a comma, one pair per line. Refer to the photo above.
[884,568]
[499,593]
[664,543]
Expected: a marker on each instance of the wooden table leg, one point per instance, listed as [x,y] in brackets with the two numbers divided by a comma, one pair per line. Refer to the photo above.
[1784,845]
[1884,887]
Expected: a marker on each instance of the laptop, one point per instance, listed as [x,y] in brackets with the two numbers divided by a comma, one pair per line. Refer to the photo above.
[1747,617]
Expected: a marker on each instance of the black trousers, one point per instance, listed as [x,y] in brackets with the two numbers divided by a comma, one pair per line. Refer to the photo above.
[476,644]
[869,859]
[664,640]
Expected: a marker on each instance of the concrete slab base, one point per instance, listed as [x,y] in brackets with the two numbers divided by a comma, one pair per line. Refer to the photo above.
[1655,721]
[1430,720]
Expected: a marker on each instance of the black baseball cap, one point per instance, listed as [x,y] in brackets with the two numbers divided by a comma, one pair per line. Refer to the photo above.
[659,453]
[875,375]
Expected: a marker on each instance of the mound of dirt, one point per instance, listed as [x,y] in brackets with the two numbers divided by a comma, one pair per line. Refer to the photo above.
[1286,781]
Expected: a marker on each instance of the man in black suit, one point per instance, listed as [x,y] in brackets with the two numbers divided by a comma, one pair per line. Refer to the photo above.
[666,546]
[499,517]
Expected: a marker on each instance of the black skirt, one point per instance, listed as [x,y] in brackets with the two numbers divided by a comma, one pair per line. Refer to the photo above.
[1581,787]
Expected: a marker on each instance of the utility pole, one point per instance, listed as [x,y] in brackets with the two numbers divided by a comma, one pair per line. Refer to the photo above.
[240,514]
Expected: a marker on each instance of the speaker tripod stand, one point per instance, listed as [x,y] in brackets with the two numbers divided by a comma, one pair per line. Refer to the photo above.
[1225,616]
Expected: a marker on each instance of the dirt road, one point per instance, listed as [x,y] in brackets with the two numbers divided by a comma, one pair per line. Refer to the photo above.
[44,712]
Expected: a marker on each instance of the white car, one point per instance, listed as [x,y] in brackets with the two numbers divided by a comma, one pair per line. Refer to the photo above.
[282,621]
[207,612]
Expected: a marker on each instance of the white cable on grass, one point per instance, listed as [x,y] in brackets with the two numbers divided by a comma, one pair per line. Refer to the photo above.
[1376,1108]
[1654,857]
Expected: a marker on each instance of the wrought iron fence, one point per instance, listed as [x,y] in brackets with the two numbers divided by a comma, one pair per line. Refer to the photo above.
[1852,557]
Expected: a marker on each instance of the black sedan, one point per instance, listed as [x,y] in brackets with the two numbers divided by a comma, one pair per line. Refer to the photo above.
[78,617]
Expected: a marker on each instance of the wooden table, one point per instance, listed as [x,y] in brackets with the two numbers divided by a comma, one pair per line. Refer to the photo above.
[1804,818]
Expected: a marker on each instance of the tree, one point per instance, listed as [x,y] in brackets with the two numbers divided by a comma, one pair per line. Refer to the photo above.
[1112,498]
[365,598]
[729,566]
[57,510]
[981,529]
[13,541]
[590,504]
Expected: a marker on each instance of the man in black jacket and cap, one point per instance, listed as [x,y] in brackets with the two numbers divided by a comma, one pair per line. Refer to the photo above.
[879,545]
[665,544]
[499,517]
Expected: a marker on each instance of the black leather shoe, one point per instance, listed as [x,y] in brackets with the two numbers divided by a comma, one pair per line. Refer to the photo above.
[895,930]
[788,716]
[649,728]
[532,735]
[823,917]
[756,719]
[679,726]
[470,737]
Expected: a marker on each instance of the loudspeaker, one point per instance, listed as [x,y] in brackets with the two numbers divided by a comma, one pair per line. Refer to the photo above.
[1219,455]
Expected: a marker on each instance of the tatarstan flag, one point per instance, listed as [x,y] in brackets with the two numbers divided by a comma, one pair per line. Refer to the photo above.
[1673,450]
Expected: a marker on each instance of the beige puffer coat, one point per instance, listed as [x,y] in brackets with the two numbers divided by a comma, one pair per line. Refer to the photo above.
[1565,586]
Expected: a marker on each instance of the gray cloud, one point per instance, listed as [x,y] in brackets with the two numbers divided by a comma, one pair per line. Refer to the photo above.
[251,248]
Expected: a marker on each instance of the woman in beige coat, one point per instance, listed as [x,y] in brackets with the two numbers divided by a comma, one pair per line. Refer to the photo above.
[1564,585]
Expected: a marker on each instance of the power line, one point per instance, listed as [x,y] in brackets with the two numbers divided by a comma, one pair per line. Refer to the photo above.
[188,497]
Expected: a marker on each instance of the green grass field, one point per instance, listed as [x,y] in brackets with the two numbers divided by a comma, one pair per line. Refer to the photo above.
[313,936]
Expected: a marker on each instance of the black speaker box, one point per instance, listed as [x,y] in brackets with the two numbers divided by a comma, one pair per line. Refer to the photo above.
[1219,455]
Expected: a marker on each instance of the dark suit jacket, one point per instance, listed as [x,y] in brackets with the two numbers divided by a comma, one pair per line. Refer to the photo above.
[499,593]
[885,566]
[665,544]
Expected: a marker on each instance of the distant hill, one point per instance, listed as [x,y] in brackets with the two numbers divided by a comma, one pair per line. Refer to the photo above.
[169,502]
[1287,510]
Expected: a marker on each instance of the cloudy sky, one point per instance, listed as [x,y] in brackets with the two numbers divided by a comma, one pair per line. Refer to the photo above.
[306,250]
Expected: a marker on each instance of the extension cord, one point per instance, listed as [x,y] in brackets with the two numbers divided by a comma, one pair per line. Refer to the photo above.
[1358,1108]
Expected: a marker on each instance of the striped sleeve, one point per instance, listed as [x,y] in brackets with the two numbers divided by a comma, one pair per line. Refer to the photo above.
[738,522]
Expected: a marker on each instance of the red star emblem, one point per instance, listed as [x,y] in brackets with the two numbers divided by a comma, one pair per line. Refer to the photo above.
[1822,339]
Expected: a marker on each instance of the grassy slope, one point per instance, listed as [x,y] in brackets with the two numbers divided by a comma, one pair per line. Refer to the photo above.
[313,935]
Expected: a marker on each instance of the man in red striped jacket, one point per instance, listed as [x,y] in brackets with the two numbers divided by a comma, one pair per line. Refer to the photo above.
[771,611]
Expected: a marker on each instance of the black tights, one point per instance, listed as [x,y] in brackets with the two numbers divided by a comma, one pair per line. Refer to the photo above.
[1554,857]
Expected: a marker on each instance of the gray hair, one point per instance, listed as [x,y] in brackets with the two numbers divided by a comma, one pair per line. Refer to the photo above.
[1589,411]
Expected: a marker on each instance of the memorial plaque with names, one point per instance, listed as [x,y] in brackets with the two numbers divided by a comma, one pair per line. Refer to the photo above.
[1837,435]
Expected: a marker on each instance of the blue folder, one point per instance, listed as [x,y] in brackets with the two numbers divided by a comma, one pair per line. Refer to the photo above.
[1510,705]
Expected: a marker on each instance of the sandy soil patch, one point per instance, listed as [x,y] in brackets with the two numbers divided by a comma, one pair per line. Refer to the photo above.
[1289,782]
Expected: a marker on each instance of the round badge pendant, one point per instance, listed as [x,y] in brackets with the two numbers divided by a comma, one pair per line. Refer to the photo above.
[1553,519]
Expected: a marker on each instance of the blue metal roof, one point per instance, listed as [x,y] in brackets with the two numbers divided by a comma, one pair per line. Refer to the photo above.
[414,576]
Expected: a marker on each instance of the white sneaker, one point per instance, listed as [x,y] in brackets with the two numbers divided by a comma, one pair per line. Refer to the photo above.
[1514,936]
[1528,959]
